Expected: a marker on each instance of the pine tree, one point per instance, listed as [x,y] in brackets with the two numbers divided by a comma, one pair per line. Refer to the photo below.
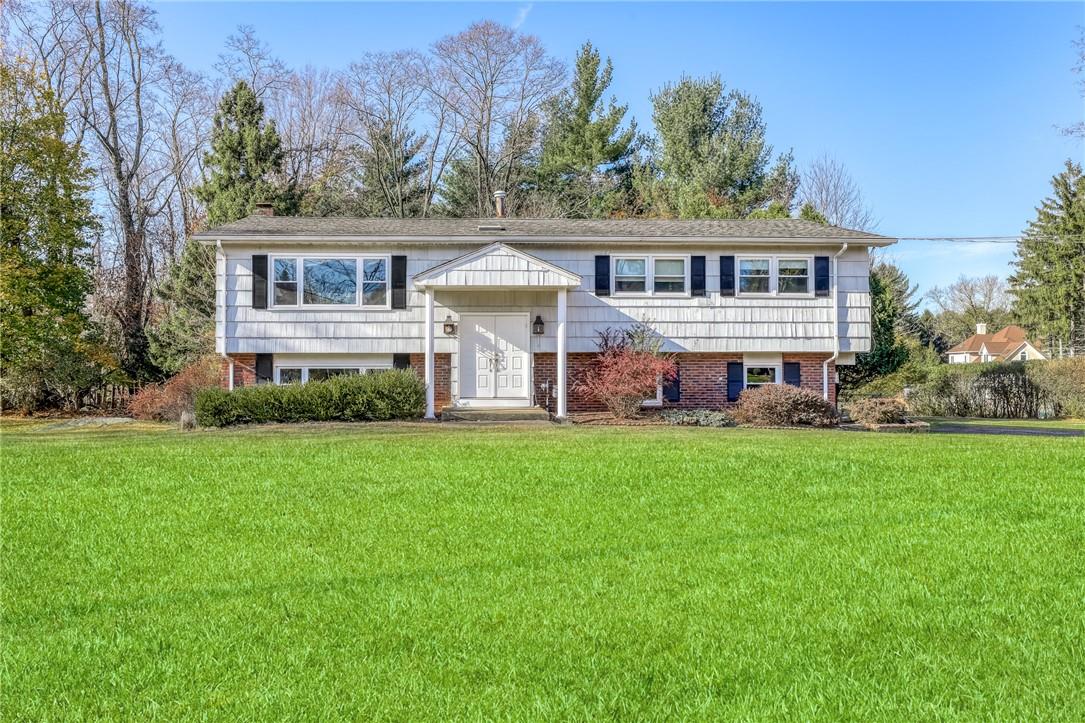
[712,155]
[586,153]
[392,175]
[892,312]
[1049,282]
[244,162]
[46,225]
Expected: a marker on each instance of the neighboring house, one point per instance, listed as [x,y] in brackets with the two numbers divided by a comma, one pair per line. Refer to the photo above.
[507,311]
[1008,344]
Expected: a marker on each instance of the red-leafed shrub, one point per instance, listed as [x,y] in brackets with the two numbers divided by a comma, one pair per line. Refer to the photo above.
[782,405]
[627,370]
[166,401]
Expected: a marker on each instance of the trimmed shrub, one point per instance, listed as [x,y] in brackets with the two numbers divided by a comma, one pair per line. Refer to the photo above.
[698,418]
[166,402]
[782,405]
[878,410]
[1063,381]
[395,394]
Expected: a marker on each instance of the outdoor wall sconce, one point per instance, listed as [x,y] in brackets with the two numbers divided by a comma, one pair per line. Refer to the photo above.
[450,326]
[537,325]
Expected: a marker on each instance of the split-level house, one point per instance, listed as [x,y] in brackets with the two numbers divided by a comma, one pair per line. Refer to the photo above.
[506,312]
[1007,344]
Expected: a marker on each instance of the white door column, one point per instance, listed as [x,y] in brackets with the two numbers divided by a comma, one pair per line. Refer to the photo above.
[430,411]
[562,313]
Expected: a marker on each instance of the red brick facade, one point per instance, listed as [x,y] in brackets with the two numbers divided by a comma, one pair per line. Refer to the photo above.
[244,371]
[442,373]
[703,379]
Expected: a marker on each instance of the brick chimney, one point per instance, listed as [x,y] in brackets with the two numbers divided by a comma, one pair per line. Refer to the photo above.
[499,204]
[981,329]
[263,208]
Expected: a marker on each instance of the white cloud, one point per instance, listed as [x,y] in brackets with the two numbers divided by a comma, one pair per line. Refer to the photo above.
[521,15]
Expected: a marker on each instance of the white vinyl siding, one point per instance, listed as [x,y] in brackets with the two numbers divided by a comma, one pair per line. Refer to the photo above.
[773,323]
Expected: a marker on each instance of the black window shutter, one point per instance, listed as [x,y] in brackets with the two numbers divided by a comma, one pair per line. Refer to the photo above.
[821,276]
[259,281]
[792,374]
[672,388]
[727,275]
[401,361]
[735,382]
[264,367]
[696,276]
[602,276]
[399,282]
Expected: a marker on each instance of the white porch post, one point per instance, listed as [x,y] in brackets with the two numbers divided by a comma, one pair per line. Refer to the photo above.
[430,411]
[562,312]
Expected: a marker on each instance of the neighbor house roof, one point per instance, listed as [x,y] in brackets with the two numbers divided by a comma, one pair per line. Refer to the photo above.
[999,344]
[539,230]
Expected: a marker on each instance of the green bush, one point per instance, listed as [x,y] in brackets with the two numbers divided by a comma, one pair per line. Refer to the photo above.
[782,405]
[878,410]
[1013,390]
[698,418]
[382,396]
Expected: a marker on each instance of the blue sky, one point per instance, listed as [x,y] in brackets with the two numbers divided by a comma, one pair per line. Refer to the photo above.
[945,113]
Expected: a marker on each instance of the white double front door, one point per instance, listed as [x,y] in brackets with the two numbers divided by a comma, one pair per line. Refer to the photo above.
[494,358]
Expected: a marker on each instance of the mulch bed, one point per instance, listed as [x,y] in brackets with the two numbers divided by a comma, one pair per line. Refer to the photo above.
[606,419]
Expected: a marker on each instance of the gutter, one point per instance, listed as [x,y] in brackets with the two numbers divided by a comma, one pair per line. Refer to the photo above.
[728,241]
[836,326]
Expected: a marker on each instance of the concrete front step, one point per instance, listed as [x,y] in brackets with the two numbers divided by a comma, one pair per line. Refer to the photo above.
[494,414]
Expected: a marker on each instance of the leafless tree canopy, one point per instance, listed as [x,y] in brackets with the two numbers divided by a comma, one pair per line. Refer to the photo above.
[829,187]
[494,82]
[969,301]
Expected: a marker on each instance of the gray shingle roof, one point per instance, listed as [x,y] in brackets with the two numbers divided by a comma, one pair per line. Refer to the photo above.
[527,229]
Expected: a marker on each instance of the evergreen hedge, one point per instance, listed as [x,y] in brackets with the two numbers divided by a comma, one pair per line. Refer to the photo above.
[393,394]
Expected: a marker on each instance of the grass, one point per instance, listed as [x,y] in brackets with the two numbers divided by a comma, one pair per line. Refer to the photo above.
[435,572]
[1031,423]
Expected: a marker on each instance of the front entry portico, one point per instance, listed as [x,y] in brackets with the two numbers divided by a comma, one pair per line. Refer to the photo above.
[495,347]
[495,360]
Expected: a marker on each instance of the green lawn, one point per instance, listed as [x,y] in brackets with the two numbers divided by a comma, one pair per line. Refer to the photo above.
[1078,424]
[434,572]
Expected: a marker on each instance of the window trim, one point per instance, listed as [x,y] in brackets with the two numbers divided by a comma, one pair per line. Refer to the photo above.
[360,259]
[649,276]
[774,276]
[778,373]
[360,368]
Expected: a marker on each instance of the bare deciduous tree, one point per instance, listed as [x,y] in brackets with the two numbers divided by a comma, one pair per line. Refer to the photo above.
[494,81]
[970,301]
[829,188]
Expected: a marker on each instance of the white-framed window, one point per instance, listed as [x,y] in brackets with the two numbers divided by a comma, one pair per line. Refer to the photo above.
[329,281]
[793,276]
[754,275]
[775,275]
[1024,356]
[650,275]
[756,375]
[287,374]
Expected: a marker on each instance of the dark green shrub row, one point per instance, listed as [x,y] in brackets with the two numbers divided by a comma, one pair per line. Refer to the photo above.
[398,394]
[698,418]
[1007,390]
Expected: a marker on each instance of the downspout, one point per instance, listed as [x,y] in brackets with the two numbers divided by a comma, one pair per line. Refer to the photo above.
[219,252]
[836,326]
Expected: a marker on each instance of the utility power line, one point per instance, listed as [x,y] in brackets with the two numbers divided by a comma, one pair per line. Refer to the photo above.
[1077,239]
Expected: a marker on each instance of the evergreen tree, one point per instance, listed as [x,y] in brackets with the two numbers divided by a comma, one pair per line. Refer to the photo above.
[586,154]
[892,312]
[244,162]
[1049,282]
[712,156]
[392,175]
[46,225]
[245,159]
